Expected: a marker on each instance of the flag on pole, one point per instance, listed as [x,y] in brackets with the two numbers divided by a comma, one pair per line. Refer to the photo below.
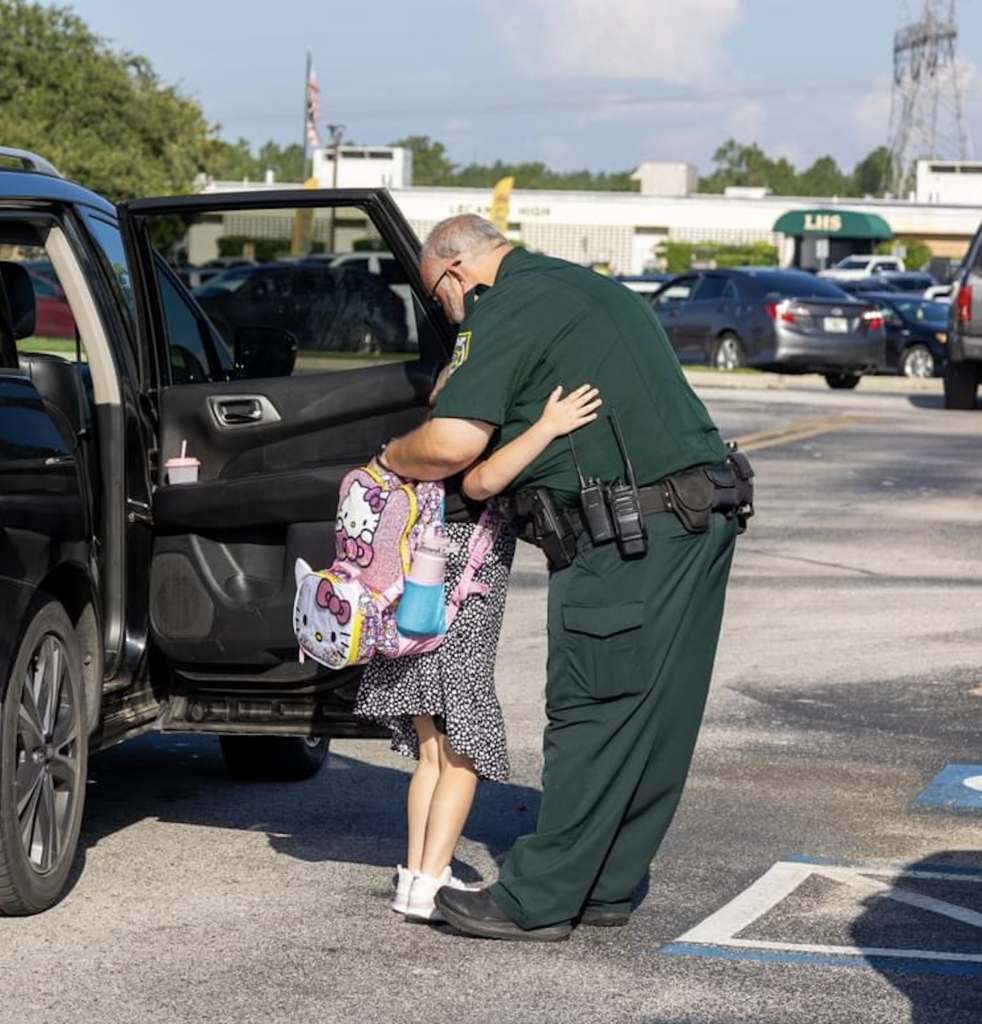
[313,109]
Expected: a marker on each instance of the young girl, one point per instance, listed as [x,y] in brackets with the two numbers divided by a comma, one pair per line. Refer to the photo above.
[442,706]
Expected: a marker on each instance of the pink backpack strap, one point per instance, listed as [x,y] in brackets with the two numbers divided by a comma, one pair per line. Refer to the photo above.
[482,541]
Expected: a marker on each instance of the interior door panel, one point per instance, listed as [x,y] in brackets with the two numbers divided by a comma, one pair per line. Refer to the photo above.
[222,580]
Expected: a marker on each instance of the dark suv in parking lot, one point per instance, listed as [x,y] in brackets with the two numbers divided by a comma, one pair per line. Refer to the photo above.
[128,602]
[782,320]
[963,370]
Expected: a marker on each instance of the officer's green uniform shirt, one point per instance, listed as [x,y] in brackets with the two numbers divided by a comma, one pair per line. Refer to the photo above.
[546,322]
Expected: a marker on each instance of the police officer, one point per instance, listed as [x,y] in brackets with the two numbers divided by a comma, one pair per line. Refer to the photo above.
[632,636]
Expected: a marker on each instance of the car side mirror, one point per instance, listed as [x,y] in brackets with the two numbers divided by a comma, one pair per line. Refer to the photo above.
[265,351]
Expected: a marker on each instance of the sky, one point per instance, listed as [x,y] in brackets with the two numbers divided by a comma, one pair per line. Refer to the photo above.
[600,85]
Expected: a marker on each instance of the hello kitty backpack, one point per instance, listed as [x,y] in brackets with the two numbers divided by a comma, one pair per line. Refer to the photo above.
[345,614]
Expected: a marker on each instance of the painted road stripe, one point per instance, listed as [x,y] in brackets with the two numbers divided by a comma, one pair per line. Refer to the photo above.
[801,431]
[919,966]
[717,934]
[956,787]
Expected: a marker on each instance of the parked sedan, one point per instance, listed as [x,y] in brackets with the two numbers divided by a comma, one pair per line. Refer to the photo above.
[326,308]
[53,315]
[917,333]
[787,321]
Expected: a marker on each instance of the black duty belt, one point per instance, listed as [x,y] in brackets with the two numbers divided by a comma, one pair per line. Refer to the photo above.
[653,498]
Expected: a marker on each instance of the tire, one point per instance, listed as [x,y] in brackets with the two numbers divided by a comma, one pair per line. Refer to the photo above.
[917,362]
[961,383]
[274,758]
[44,748]
[728,353]
[842,381]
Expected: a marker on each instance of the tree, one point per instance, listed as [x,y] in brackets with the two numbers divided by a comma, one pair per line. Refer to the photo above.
[103,118]
[871,176]
[430,163]
[824,178]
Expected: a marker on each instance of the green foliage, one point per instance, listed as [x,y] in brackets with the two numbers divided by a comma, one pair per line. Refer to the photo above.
[236,161]
[431,166]
[430,163]
[872,174]
[741,165]
[679,257]
[261,249]
[100,117]
[918,252]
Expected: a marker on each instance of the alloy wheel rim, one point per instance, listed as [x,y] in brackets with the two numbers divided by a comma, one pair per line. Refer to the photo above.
[726,356]
[920,364]
[46,756]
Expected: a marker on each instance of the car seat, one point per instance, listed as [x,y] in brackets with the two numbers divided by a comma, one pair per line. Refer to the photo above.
[58,382]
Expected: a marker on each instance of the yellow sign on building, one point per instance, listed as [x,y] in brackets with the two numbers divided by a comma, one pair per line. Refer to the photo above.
[500,203]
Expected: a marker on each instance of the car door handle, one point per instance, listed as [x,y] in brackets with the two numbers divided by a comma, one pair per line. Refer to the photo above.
[242,410]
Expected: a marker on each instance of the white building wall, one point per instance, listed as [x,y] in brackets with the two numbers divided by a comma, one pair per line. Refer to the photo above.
[621,229]
[956,182]
[364,167]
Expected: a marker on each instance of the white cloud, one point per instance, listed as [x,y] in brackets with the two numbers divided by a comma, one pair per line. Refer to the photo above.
[665,40]
[746,121]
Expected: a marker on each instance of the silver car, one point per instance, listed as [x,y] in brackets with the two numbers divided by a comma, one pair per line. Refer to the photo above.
[786,321]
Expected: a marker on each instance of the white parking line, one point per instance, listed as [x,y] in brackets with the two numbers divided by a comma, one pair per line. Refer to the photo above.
[863,881]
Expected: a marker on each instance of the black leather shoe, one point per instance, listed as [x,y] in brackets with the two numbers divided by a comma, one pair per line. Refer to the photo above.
[476,913]
[594,917]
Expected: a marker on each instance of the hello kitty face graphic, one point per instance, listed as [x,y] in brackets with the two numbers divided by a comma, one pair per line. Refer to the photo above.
[357,520]
[322,618]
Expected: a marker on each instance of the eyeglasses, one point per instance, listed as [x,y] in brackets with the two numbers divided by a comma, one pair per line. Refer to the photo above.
[434,298]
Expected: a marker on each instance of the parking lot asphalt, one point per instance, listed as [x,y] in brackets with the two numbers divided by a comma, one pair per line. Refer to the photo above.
[849,676]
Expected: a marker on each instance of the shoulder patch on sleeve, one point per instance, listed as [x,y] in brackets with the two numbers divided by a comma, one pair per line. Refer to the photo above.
[461,350]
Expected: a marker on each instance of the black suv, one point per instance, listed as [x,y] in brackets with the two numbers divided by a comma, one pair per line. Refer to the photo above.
[130,603]
[963,370]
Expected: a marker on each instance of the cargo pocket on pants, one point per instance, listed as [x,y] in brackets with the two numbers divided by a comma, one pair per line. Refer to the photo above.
[604,650]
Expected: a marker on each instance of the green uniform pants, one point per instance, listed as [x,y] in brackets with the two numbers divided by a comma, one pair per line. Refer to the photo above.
[631,650]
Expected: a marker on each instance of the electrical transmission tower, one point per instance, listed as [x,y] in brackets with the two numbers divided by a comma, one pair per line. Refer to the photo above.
[926,116]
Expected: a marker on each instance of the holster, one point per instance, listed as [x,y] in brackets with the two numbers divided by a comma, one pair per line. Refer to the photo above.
[538,520]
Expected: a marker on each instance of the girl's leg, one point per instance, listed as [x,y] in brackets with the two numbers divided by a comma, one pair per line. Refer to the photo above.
[449,807]
[422,787]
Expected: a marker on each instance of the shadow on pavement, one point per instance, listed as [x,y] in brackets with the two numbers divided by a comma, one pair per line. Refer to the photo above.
[941,991]
[350,811]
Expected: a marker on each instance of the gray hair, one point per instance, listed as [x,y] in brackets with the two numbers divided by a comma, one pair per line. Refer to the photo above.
[464,233]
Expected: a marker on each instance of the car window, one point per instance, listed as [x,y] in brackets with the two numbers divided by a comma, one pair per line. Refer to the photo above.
[54,324]
[678,291]
[195,354]
[712,287]
[798,284]
[852,263]
[321,277]
[113,254]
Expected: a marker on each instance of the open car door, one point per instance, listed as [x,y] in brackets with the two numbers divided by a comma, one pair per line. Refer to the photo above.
[278,362]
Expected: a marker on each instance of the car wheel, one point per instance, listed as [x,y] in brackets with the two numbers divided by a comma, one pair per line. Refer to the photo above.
[842,381]
[43,763]
[961,382]
[917,362]
[728,354]
[274,758]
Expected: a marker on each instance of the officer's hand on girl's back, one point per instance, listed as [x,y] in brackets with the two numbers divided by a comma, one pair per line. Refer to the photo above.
[564,415]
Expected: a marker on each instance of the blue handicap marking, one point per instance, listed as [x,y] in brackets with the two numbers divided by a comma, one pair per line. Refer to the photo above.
[956,787]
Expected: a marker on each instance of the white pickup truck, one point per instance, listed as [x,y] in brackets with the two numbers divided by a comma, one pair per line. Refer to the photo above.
[853,268]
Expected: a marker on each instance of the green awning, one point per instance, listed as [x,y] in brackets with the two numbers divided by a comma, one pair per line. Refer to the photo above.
[832,224]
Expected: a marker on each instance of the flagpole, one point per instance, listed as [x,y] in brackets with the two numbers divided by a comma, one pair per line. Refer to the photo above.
[306,113]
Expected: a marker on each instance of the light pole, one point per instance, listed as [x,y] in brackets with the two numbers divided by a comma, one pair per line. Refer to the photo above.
[337,132]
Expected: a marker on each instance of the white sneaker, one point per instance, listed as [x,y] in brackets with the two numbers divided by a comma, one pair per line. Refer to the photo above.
[404,882]
[421,903]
